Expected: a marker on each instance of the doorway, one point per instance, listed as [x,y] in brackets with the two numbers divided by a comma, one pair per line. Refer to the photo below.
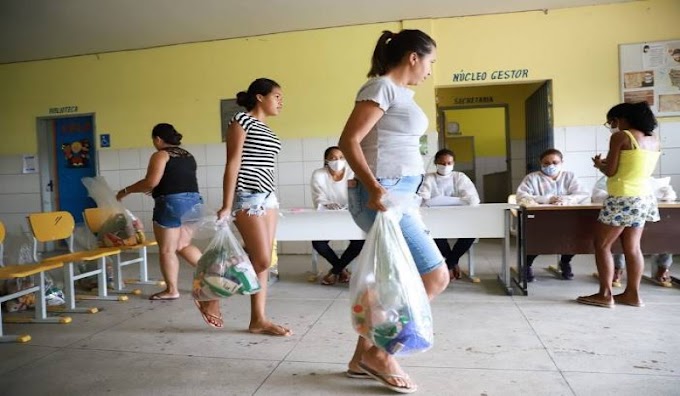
[528,128]
[66,154]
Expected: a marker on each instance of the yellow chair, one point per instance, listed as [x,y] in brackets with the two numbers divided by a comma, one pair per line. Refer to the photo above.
[94,219]
[58,226]
[20,271]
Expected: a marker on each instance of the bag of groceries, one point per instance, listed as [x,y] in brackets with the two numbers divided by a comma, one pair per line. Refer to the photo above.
[389,305]
[121,227]
[224,269]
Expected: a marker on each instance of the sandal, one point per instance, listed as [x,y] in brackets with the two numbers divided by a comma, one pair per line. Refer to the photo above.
[344,276]
[211,320]
[383,378]
[330,279]
[663,275]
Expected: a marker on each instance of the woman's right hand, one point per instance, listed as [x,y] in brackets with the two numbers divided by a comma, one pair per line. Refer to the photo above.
[375,196]
[223,213]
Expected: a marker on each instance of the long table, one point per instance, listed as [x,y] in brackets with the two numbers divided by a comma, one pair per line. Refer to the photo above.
[556,229]
[480,221]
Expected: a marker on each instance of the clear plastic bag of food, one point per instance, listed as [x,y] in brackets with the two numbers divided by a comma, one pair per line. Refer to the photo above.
[224,269]
[389,305]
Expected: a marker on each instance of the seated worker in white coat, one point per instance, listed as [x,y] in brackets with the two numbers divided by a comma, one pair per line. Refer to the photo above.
[445,187]
[552,186]
[663,191]
[329,192]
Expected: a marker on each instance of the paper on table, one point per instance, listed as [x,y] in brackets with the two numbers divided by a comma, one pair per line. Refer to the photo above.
[445,201]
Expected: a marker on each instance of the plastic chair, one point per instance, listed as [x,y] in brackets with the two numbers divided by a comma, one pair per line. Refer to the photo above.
[11,272]
[94,219]
[58,226]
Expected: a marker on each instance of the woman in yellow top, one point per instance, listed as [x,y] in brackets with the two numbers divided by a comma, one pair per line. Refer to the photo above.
[632,157]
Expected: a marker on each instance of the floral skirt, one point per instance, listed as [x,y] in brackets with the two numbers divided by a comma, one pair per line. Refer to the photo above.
[629,211]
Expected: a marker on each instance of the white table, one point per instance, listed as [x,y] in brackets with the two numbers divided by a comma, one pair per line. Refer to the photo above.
[480,221]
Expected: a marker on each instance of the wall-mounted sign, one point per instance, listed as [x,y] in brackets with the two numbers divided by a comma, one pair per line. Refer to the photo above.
[473,100]
[511,74]
[104,140]
[63,110]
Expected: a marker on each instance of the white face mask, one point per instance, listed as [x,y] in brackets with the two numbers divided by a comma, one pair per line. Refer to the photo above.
[337,165]
[444,170]
[551,170]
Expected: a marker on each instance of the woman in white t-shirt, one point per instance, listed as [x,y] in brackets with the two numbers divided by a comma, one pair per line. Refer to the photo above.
[445,187]
[329,192]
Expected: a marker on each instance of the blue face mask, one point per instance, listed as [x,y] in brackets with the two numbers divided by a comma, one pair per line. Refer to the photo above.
[551,170]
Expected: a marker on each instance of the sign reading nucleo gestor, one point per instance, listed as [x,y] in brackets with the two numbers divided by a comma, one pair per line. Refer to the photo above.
[510,74]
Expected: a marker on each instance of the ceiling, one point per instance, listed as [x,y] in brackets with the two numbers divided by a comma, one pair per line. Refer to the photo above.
[44,29]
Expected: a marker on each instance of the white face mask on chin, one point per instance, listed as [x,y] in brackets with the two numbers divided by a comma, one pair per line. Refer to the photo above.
[337,165]
[444,170]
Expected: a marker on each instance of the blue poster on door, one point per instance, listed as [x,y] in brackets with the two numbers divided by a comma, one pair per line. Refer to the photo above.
[74,157]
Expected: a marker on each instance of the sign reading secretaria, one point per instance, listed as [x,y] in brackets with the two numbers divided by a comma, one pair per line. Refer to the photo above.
[510,74]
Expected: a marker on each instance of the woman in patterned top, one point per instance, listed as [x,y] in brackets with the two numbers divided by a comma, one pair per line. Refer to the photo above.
[171,178]
[248,194]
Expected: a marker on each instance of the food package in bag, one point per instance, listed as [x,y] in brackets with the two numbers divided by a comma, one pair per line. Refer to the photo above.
[121,227]
[224,269]
[389,305]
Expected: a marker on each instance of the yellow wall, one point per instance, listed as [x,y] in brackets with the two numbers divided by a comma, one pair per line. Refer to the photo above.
[321,70]
[486,125]
[577,48]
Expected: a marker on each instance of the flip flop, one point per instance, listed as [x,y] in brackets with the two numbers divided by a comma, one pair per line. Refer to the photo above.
[207,316]
[357,374]
[382,378]
[158,297]
[590,301]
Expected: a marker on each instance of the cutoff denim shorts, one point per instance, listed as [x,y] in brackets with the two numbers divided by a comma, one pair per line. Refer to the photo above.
[256,203]
[169,209]
[423,248]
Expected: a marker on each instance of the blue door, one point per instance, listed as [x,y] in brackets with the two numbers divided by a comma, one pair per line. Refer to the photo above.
[74,159]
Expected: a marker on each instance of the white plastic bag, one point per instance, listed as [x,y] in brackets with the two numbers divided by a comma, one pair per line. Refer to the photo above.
[389,305]
[224,269]
[121,227]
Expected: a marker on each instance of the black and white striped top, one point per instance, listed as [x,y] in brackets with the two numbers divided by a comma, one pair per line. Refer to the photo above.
[258,160]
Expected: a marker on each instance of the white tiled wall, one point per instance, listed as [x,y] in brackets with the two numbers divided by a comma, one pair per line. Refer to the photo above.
[20,194]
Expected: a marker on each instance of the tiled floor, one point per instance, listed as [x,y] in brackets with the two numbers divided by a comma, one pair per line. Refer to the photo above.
[486,343]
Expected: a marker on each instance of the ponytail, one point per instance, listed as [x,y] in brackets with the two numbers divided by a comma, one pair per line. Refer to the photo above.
[391,49]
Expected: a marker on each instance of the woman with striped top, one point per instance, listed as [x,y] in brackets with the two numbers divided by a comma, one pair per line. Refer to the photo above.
[248,193]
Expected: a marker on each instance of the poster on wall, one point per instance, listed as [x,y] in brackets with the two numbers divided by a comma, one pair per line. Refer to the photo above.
[651,72]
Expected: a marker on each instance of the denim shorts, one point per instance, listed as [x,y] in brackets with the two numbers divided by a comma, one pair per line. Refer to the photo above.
[169,209]
[256,203]
[423,248]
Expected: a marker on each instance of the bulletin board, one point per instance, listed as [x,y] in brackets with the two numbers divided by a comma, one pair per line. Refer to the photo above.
[651,72]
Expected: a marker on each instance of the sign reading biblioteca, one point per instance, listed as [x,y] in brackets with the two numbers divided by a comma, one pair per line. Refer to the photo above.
[63,110]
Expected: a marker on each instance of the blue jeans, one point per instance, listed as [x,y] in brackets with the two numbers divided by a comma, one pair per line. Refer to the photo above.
[423,249]
[256,203]
[169,209]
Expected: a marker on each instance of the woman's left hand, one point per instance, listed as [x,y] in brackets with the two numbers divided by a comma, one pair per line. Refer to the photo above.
[599,162]
[121,194]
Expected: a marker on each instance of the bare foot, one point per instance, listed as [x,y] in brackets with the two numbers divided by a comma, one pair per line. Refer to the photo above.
[269,328]
[385,369]
[625,299]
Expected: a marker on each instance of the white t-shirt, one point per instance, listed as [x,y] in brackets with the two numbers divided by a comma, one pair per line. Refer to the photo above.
[325,190]
[392,146]
[457,187]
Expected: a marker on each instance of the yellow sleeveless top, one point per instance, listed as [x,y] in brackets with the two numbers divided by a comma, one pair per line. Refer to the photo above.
[635,168]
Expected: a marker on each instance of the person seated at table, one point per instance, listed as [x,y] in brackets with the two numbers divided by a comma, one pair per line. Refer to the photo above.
[553,186]
[664,192]
[329,192]
[446,187]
